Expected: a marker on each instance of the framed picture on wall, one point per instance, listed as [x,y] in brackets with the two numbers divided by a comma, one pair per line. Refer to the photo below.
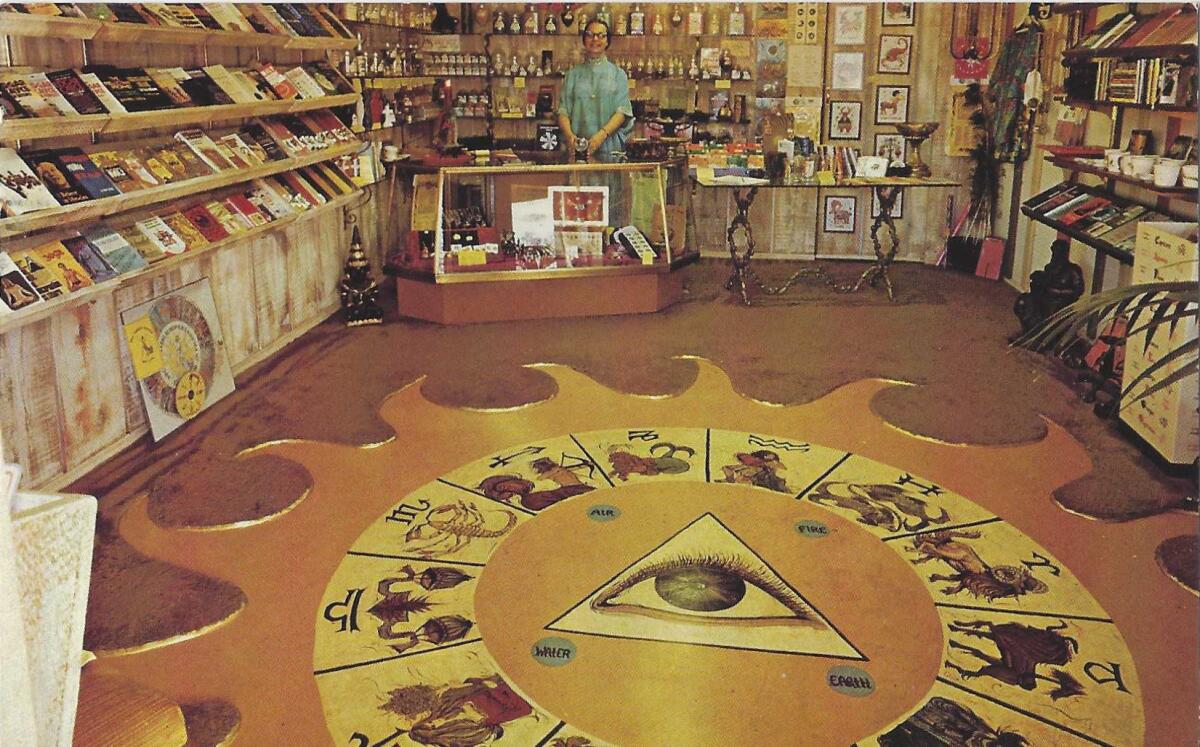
[847,71]
[891,146]
[839,213]
[891,104]
[897,206]
[845,120]
[895,53]
[899,14]
[849,24]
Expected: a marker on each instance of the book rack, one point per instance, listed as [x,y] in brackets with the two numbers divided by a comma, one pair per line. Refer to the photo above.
[1070,164]
[94,209]
[24,24]
[43,128]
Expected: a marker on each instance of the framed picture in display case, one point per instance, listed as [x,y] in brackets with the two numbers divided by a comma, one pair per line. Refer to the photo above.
[891,146]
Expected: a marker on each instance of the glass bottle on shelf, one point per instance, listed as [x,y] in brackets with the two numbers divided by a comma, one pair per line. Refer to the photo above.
[602,15]
[657,27]
[499,25]
[694,70]
[714,22]
[695,21]
[637,21]
[676,16]
[514,26]
[621,27]
[551,26]
[737,21]
[533,24]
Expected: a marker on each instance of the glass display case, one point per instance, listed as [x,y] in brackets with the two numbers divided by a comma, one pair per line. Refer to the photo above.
[586,223]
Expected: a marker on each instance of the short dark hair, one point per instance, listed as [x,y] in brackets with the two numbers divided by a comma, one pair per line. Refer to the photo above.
[607,32]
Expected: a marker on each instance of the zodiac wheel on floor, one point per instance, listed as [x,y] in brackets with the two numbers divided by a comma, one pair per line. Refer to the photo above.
[689,586]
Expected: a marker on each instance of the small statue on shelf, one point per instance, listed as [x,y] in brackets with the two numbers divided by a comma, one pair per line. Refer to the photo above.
[1051,288]
[358,289]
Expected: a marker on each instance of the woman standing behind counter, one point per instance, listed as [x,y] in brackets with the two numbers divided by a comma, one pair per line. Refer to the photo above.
[594,103]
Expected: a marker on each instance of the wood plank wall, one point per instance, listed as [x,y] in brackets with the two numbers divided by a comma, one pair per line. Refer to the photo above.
[68,397]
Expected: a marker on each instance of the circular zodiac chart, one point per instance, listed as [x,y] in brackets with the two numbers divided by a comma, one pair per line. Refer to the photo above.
[188,355]
[689,586]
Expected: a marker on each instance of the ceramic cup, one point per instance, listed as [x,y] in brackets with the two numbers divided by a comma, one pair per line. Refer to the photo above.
[1166,172]
[1190,171]
[1112,159]
[1142,166]
[1126,164]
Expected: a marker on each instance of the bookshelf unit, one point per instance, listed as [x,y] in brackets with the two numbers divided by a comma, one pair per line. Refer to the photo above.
[68,395]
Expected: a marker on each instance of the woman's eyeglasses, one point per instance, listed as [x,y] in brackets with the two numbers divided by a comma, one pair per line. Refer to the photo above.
[597,35]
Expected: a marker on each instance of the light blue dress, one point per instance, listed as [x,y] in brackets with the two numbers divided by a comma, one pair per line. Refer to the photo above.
[592,92]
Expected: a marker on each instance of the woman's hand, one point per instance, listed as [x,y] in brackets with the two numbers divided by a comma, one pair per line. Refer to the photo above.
[595,141]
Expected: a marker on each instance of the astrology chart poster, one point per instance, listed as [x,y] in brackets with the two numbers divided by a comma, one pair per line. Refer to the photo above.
[178,355]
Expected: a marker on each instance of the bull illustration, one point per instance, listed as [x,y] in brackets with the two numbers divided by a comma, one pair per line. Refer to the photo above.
[972,574]
[1022,649]
[870,502]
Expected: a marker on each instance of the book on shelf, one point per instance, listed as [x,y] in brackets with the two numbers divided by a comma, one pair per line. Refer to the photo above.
[297,182]
[161,235]
[339,28]
[64,266]
[85,174]
[1178,29]
[16,292]
[248,209]
[206,223]
[328,77]
[242,219]
[113,166]
[254,85]
[202,88]
[230,222]
[166,81]
[10,108]
[185,17]
[204,148]
[228,16]
[77,93]
[299,19]
[147,249]
[41,84]
[284,88]
[19,90]
[105,96]
[289,142]
[204,16]
[46,165]
[134,95]
[232,87]
[261,142]
[295,197]
[114,247]
[1053,211]
[335,176]
[1083,209]
[92,260]
[192,237]
[268,198]
[40,276]
[265,19]
[98,12]
[183,161]
[1148,26]
[38,9]
[148,156]
[159,14]
[21,191]
[239,151]
[319,182]
[304,83]
[127,13]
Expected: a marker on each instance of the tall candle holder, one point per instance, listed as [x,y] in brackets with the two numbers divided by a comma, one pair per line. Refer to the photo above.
[914,134]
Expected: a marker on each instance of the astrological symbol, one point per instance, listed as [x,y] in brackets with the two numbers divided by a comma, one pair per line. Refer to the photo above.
[1111,668]
[930,489]
[406,512]
[575,464]
[347,620]
[643,435]
[503,461]
[358,739]
[777,443]
[669,450]
[1041,561]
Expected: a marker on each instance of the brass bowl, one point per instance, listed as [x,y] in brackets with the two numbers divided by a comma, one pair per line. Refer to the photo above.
[917,129]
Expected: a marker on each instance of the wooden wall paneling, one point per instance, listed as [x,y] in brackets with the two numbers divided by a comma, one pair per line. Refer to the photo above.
[47,53]
[268,258]
[332,257]
[29,404]
[86,343]
[232,285]
[795,216]
[303,240]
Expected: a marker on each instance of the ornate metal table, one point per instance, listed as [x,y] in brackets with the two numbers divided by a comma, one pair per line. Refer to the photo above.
[886,189]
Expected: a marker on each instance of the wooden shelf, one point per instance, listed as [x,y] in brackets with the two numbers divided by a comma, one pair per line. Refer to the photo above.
[95,209]
[1106,105]
[1122,256]
[24,24]
[1175,193]
[39,128]
[1131,53]
[93,292]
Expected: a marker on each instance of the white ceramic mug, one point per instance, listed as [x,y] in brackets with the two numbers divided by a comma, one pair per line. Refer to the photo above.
[1166,172]
[1126,164]
[1142,166]
[1112,159]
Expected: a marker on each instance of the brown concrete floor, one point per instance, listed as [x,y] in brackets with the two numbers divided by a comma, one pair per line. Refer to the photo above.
[947,333]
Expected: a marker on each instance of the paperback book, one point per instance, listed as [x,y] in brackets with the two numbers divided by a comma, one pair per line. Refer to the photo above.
[46,165]
[192,237]
[149,251]
[76,92]
[64,266]
[16,292]
[206,223]
[114,247]
[21,191]
[90,258]
[160,234]
[34,268]
[85,175]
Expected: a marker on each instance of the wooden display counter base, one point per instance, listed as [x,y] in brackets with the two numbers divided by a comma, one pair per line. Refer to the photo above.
[543,298]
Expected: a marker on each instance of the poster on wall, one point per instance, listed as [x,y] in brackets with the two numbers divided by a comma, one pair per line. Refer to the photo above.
[891,146]
[849,24]
[891,104]
[771,75]
[899,14]
[895,53]
[839,213]
[178,355]
[806,23]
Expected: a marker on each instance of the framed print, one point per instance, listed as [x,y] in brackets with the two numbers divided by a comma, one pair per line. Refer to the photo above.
[845,120]
[895,53]
[847,71]
[891,146]
[849,24]
[891,104]
[580,206]
[897,206]
[839,213]
[899,14]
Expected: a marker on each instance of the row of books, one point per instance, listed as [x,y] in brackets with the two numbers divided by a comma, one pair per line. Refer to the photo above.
[44,179]
[1146,81]
[1172,25]
[1098,216]
[101,252]
[104,89]
[288,19]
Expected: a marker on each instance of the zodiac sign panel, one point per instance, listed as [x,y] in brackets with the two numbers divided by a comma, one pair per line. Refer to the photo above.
[636,586]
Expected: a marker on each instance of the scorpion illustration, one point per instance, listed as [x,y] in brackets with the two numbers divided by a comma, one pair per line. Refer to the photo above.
[450,528]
